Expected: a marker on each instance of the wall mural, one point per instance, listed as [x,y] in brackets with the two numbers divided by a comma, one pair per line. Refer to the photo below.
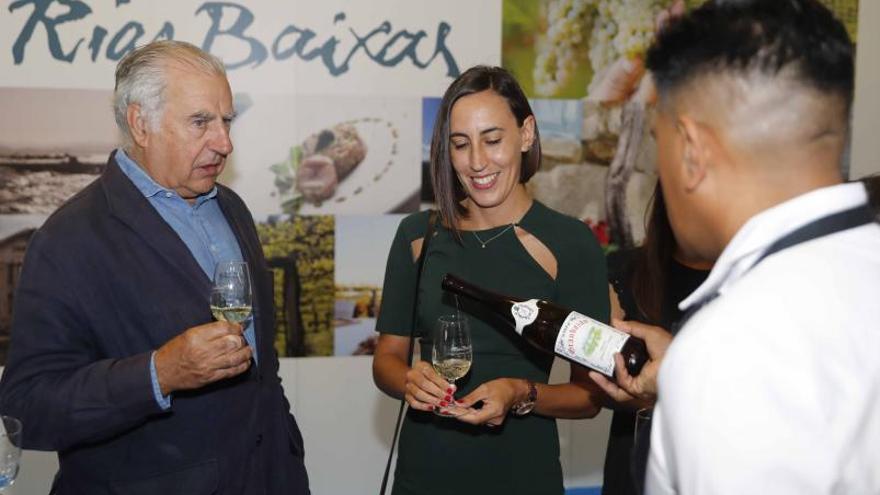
[336,101]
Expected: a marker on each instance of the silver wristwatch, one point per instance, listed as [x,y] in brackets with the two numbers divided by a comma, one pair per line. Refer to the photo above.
[526,406]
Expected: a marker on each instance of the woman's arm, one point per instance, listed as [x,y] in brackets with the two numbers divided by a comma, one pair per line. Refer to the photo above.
[573,400]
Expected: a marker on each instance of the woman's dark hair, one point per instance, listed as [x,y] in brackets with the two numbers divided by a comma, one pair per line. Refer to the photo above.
[448,191]
[652,261]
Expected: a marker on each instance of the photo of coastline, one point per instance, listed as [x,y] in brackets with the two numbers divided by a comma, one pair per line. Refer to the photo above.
[362,245]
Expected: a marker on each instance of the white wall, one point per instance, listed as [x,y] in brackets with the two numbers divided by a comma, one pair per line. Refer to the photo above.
[866,115]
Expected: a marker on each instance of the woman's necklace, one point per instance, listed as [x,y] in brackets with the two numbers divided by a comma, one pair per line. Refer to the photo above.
[496,236]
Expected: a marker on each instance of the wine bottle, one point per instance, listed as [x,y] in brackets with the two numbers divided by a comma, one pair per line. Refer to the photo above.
[555,329]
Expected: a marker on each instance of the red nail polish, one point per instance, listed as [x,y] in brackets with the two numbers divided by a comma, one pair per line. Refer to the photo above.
[448,398]
[443,403]
[449,391]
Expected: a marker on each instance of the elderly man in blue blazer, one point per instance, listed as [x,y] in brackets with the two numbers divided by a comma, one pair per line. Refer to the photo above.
[115,361]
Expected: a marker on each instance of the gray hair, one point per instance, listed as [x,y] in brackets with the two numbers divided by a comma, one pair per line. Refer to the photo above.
[140,79]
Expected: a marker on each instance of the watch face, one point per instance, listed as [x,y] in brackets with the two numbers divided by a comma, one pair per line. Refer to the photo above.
[524,408]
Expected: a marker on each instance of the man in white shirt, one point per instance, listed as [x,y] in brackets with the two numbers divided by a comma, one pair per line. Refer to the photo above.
[773,386]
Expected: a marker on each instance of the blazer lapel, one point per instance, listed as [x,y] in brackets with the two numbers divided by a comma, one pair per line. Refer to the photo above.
[129,206]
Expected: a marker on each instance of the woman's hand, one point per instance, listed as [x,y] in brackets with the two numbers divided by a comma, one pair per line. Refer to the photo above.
[498,396]
[638,391]
[425,389]
[420,386]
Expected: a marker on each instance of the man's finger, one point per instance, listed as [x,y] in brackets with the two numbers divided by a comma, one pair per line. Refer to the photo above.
[615,392]
[621,325]
[223,328]
[635,328]
[621,375]
[216,330]
[235,370]
[235,358]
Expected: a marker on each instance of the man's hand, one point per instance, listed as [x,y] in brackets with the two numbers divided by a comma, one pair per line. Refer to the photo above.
[641,390]
[202,355]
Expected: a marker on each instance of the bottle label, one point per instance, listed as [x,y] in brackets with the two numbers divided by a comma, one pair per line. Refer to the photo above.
[590,342]
[524,314]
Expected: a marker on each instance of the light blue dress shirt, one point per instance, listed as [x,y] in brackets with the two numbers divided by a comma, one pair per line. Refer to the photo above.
[201,226]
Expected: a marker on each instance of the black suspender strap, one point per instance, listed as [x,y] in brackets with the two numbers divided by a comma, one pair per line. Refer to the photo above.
[831,224]
[429,234]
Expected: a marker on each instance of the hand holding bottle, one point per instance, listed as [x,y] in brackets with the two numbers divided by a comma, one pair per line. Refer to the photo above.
[641,389]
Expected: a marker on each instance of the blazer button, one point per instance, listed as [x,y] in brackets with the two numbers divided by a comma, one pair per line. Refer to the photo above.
[259,438]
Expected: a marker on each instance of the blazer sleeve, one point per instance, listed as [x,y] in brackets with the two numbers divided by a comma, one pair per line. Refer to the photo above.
[54,380]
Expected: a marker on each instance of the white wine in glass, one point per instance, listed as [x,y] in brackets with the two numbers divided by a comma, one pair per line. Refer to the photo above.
[452,353]
[231,293]
[10,450]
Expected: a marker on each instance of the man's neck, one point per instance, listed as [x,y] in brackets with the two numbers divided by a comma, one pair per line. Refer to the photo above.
[769,190]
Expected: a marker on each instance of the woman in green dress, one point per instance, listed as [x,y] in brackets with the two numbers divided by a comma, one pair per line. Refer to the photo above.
[499,435]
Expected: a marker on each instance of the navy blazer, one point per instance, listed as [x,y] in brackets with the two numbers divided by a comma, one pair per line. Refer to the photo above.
[105,282]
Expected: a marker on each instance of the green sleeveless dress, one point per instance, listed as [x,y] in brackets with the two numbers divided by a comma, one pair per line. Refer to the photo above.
[441,455]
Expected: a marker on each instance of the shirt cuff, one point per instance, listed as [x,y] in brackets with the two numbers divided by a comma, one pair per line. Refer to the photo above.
[250,335]
[164,401]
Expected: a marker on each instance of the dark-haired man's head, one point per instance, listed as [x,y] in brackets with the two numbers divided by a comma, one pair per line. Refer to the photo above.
[753,109]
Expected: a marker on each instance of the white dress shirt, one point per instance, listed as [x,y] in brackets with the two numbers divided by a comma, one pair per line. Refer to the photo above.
[774,387]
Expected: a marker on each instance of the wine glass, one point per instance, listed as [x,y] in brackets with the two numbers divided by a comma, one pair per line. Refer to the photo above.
[10,450]
[231,293]
[452,353]
[643,420]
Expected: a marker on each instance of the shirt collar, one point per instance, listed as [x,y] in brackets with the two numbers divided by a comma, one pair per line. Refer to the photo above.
[145,184]
[760,231]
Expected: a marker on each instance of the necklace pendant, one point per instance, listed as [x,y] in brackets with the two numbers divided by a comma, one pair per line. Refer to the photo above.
[484,246]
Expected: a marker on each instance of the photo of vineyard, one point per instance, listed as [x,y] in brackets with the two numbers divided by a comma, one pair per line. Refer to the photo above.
[300,251]
[590,54]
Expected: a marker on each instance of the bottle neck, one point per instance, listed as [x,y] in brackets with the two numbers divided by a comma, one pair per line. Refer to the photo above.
[499,303]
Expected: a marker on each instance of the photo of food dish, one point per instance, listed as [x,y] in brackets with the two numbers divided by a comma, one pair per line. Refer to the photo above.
[365,164]
[327,158]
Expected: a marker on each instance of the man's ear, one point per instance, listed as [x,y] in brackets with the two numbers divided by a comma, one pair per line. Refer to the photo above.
[698,140]
[138,127]
[527,133]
